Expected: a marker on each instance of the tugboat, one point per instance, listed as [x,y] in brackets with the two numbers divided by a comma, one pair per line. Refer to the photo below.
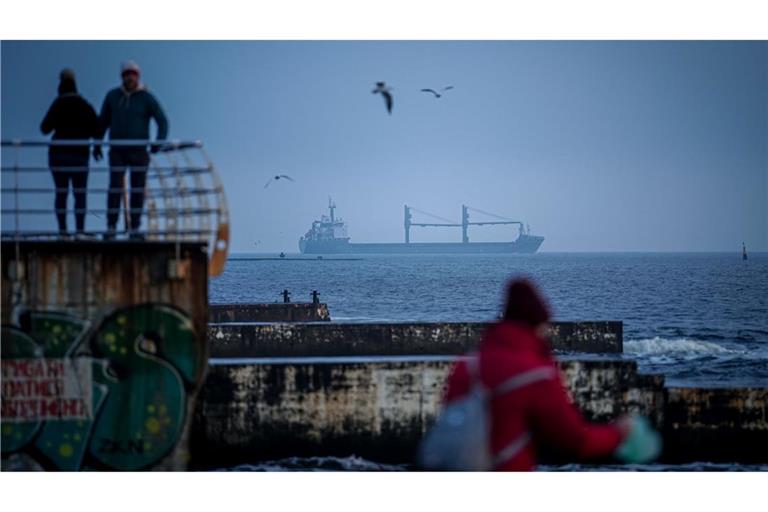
[328,235]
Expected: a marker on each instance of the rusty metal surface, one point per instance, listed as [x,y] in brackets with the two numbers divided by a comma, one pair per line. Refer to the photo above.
[93,280]
[337,339]
[378,409]
[90,278]
[292,312]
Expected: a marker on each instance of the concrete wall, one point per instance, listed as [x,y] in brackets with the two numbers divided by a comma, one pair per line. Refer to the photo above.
[280,312]
[337,339]
[124,321]
[377,408]
[718,424]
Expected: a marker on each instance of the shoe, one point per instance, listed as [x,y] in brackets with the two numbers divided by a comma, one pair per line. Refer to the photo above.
[82,236]
[110,234]
[135,235]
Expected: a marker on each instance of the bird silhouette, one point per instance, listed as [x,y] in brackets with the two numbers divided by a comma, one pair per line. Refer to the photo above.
[278,177]
[386,92]
[437,94]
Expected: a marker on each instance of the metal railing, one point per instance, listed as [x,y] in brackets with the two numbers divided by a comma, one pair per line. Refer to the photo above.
[184,200]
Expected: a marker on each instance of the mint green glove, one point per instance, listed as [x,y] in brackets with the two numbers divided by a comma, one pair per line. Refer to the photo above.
[642,444]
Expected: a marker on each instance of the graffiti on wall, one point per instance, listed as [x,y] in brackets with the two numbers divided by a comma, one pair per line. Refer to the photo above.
[110,397]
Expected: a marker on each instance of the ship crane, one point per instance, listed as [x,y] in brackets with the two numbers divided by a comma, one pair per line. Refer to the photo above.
[465,221]
[464,225]
[408,223]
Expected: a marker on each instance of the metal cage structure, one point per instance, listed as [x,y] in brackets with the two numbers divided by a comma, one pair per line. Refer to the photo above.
[184,199]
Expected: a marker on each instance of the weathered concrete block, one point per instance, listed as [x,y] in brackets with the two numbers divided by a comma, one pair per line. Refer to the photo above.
[587,336]
[605,389]
[337,339]
[280,312]
[720,425]
[377,409]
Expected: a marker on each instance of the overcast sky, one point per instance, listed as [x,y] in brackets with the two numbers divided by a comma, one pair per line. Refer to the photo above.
[599,146]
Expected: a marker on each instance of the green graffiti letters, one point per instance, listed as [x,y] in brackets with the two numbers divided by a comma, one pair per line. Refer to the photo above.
[123,406]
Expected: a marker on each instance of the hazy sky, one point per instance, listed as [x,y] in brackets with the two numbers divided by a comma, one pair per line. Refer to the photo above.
[599,146]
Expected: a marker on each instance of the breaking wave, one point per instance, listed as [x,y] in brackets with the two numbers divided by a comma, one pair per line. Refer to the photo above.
[352,463]
[675,347]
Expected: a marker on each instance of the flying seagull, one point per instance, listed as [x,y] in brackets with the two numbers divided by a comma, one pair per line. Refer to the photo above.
[386,92]
[279,176]
[437,94]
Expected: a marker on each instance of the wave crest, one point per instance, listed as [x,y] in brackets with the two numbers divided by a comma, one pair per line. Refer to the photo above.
[674,347]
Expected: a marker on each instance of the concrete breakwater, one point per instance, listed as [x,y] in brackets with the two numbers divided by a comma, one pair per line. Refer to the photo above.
[230,340]
[379,408]
[278,390]
[372,390]
[721,424]
[278,312]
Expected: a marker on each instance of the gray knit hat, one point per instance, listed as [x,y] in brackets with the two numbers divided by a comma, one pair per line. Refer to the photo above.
[130,65]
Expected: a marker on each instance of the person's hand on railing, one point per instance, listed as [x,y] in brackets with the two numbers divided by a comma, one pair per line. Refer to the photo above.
[97,154]
[164,147]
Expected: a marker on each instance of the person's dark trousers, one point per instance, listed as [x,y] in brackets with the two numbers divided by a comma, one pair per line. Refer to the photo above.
[120,159]
[66,168]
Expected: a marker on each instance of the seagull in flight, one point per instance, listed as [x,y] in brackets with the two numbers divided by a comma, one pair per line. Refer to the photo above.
[437,94]
[278,177]
[386,92]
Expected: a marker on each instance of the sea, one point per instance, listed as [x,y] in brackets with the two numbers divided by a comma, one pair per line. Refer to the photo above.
[699,319]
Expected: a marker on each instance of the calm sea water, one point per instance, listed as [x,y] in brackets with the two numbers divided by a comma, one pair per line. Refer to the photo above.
[698,319]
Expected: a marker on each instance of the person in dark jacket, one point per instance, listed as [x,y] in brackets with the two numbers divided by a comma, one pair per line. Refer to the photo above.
[126,113]
[70,117]
[536,413]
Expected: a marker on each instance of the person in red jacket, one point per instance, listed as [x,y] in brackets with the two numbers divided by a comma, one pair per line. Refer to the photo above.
[532,410]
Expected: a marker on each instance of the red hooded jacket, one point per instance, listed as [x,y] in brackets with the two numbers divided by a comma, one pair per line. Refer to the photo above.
[533,409]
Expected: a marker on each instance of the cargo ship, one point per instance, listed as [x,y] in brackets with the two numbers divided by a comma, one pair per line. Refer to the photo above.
[328,235]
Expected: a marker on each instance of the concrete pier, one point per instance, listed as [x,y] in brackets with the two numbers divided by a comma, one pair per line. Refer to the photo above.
[377,408]
[721,424]
[279,312]
[372,390]
[379,339]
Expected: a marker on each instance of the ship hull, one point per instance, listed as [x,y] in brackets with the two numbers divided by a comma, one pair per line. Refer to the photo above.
[525,244]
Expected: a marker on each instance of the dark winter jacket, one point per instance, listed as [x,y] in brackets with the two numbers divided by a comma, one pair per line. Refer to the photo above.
[536,413]
[126,115]
[70,117]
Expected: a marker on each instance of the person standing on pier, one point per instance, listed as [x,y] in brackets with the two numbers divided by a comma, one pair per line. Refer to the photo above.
[70,117]
[126,113]
[528,407]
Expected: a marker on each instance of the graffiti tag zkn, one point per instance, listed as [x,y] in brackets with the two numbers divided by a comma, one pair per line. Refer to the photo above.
[123,408]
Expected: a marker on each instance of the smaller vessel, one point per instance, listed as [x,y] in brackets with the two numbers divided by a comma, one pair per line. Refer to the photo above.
[743,251]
